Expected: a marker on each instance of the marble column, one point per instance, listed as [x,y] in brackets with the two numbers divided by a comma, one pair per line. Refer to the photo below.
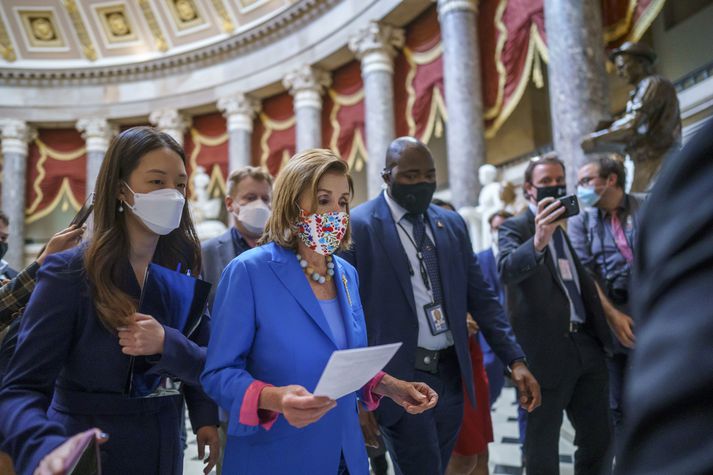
[15,135]
[97,134]
[306,86]
[375,45]
[465,132]
[240,110]
[579,96]
[170,121]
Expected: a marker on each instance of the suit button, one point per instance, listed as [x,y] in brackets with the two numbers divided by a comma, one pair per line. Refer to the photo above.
[427,359]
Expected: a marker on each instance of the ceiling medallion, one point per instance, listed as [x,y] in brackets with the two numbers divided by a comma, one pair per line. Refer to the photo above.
[41,29]
[185,13]
[116,25]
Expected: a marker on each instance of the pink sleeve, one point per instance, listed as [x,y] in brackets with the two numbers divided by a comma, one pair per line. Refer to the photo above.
[369,398]
[250,413]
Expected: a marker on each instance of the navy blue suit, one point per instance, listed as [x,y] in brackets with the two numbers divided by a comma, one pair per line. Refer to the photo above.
[68,374]
[390,311]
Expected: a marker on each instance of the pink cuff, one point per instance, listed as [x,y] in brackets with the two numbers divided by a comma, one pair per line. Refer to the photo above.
[250,413]
[369,398]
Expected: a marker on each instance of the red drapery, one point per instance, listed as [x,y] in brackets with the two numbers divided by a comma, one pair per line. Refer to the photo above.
[206,145]
[274,140]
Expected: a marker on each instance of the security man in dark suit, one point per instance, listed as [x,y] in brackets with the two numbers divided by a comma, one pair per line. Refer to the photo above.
[558,318]
[418,280]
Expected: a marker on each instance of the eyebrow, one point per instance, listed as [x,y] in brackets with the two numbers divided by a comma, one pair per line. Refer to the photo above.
[346,193]
[161,172]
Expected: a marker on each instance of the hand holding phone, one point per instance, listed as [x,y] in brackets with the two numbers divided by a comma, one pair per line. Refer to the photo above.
[571,206]
[81,217]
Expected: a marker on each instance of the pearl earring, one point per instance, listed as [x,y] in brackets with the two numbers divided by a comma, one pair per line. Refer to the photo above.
[121,208]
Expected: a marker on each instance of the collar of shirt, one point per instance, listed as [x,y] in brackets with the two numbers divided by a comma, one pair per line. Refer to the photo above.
[397,211]
[239,243]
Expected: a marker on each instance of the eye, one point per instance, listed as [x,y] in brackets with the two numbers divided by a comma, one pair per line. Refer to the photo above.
[343,203]
[181,186]
[156,181]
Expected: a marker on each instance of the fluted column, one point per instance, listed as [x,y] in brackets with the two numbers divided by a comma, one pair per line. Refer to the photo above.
[240,111]
[376,47]
[465,134]
[170,121]
[306,85]
[579,96]
[97,134]
[15,135]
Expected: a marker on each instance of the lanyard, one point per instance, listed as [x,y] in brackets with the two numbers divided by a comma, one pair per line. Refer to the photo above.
[421,262]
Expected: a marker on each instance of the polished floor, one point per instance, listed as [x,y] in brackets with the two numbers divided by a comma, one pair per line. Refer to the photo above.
[504,451]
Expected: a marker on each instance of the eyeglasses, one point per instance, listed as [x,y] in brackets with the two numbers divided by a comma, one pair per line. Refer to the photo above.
[587,180]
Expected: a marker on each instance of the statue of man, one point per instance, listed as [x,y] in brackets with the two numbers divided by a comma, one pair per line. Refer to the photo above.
[650,129]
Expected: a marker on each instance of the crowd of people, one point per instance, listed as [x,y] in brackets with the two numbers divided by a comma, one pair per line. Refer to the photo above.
[298,276]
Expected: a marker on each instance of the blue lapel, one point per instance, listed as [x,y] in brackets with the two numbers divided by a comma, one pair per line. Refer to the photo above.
[346,298]
[285,266]
[389,238]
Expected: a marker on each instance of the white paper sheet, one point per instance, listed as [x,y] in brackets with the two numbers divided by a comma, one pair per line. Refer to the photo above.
[349,370]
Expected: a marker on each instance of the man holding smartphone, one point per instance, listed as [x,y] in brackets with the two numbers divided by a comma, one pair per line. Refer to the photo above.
[558,319]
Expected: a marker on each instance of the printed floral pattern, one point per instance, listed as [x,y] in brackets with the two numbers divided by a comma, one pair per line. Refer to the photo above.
[322,232]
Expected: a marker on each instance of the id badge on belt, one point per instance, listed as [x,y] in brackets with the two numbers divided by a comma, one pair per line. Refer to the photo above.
[436,318]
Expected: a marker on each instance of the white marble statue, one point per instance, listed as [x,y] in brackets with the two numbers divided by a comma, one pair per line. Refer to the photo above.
[489,201]
[204,209]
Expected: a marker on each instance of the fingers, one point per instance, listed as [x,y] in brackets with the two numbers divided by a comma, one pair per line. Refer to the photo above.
[201,447]
[551,213]
[307,402]
[542,204]
[535,393]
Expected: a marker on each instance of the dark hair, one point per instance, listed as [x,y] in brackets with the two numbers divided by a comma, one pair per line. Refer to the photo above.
[4,218]
[109,246]
[443,204]
[502,214]
[607,166]
[550,158]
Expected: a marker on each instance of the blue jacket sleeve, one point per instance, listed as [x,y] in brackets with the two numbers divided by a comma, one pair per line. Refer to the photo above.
[44,341]
[182,357]
[225,377]
[201,409]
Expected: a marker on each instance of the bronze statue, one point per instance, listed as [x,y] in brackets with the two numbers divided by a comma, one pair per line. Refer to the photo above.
[650,129]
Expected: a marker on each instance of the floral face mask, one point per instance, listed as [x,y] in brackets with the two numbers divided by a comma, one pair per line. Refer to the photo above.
[322,232]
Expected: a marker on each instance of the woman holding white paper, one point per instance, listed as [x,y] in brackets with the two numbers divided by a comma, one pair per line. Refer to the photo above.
[280,311]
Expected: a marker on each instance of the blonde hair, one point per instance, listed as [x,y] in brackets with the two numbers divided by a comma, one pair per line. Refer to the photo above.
[301,174]
[238,175]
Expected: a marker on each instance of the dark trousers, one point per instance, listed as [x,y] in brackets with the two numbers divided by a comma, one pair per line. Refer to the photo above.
[422,444]
[617,366]
[583,394]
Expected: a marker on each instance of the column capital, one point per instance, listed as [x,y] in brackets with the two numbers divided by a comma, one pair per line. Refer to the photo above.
[240,110]
[97,133]
[447,6]
[306,84]
[170,121]
[16,135]
[375,45]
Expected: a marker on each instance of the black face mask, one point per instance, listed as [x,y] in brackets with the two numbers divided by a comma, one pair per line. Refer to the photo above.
[414,198]
[3,249]
[554,191]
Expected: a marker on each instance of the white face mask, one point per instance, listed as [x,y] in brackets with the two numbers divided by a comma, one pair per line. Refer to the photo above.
[160,210]
[253,216]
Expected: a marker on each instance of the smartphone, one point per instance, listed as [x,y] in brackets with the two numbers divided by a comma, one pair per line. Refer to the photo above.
[85,458]
[86,209]
[571,206]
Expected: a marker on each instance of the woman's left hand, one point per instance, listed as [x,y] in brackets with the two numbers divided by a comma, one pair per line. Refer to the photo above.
[415,398]
[208,435]
[143,337]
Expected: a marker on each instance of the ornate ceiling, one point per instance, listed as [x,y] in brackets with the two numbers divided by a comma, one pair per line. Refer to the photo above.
[61,34]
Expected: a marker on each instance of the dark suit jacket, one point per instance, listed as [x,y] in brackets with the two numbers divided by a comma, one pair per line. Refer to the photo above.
[387,294]
[216,255]
[537,302]
[669,387]
[489,266]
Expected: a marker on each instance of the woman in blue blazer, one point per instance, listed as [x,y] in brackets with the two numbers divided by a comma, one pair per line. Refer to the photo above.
[280,311]
[81,327]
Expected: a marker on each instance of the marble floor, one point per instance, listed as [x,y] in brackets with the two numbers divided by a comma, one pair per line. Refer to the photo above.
[504,451]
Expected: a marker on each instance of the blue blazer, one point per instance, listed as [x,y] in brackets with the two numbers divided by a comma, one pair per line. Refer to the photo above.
[489,266]
[391,315]
[68,374]
[268,326]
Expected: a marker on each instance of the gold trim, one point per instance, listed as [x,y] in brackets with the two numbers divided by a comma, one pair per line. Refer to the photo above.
[198,141]
[540,44]
[87,46]
[45,153]
[492,112]
[216,177]
[645,21]
[438,109]
[339,101]
[415,59]
[6,48]
[271,125]
[161,43]
[620,28]
[65,191]
[426,57]
[228,26]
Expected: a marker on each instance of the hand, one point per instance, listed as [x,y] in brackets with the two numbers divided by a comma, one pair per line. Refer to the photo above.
[589,143]
[414,397]
[302,408]
[143,337]
[369,427]
[54,462]
[208,435]
[472,325]
[527,386]
[548,210]
[61,241]
[623,327]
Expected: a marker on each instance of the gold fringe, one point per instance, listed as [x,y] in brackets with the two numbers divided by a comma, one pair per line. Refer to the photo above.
[620,28]
[45,153]
[340,101]
[271,125]
[65,191]
[198,141]
[492,112]
[645,21]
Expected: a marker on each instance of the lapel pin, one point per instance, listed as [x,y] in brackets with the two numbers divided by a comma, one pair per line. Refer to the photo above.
[439,223]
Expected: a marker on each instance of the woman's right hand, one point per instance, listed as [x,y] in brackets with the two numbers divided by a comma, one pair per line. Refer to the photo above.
[55,462]
[300,407]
